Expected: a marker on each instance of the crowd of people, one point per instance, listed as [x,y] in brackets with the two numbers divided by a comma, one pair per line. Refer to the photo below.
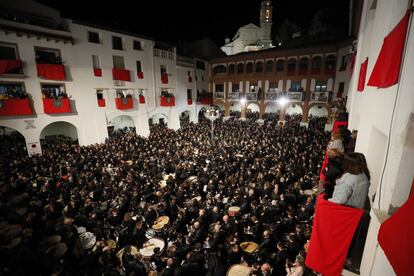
[89,210]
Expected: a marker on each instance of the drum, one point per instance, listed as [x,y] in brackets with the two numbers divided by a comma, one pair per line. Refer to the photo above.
[148,250]
[129,248]
[163,184]
[160,222]
[249,247]
[239,270]
[234,211]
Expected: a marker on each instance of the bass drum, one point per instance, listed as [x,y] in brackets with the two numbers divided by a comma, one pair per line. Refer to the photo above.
[239,270]
[148,250]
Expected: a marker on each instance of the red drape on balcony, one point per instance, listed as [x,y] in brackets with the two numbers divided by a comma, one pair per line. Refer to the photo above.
[351,68]
[395,237]
[51,106]
[8,65]
[101,102]
[387,67]
[11,107]
[51,71]
[140,75]
[164,78]
[362,75]
[121,74]
[322,176]
[190,79]
[124,103]
[141,99]
[97,72]
[337,124]
[206,100]
[333,228]
[167,101]
[190,101]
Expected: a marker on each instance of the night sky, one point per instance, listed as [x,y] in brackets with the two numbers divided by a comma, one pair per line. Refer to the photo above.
[174,21]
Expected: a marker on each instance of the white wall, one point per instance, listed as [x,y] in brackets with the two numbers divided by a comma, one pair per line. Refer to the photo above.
[60,128]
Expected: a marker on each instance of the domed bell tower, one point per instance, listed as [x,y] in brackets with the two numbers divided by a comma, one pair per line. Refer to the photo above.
[266,15]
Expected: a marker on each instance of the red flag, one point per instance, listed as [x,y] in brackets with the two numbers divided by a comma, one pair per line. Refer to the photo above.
[387,67]
[362,75]
[351,69]
[396,237]
[333,228]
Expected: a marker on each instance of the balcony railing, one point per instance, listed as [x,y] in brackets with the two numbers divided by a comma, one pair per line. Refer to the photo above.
[319,97]
[273,96]
[251,96]
[295,96]
[234,96]
[219,95]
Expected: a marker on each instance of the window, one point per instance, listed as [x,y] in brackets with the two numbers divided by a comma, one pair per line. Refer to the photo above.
[117,43]
[235,87]
[119,62]
[189,94]
[240,68]
[344,62]
[291,65]
[249,68]
[273,86]
[48,56]
[219,69]
[295,86]
[8,51]
[163,69]
[253,87]
[95,62]
[280,65]
[200,65]
[202,78]
[259,67]
[10,90]
[219,87]
[303,64]
[231,69]
[53,91]
[139,68]
[99,94]
[320,86]
[330,63]
[316,64]
[170,55]
[137,45]
[269,66]
[341,88]
[93,37]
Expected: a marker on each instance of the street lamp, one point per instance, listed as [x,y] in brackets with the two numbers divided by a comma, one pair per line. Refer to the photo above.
[212,114]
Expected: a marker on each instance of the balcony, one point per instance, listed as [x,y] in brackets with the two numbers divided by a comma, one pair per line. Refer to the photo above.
[50,71]
[164,78]
[124,103]
[273,96]
[121,74]
[53,106]
[319,97]
[234,96]
[15,107]
[295,97]
[219,95]
[8,66]
[251,96]
[101,103]
[167,101]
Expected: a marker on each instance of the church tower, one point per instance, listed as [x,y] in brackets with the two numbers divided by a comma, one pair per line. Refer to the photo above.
[266,14]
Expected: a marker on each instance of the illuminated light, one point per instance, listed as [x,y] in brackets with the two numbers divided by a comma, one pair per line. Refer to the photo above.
[243,101]
[283,101]
[280,43]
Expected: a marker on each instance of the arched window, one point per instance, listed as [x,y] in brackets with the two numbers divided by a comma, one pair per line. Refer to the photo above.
[231,69]
[316,65]
[259,67]
[219,69]
[269,66]
[303,66]
[291,66]
[280,65]
[240,68]
[330,63]
[249,68]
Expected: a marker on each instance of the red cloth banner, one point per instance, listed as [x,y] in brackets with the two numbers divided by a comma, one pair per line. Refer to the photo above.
[124,103]
[322,176]
[101,103]
[140,75]
[190,79]
[190,101]
[167,101]
[141,99]
[164,78]
[337,124]
[387,67]
[8,65]
[333,228]
[362,75]
[351,68]
[51,71]
[206,100]
[395,237]
[51,106]
[97,72]
[12,107]
[121,74]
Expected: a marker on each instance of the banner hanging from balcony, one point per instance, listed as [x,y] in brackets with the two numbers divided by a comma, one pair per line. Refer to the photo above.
[362,75]
[141,99]
[333,228]
[51,71]
[7,65]
[167,101]
[52,106]
[124,103]
[387,67]
[97,72]
[395,237]
[12,107]
[140,75]
[101,103]
[164,78]
[121,74]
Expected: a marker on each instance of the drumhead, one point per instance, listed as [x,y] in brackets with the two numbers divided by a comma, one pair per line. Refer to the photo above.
[239,270]
[249,247]
[151,244]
